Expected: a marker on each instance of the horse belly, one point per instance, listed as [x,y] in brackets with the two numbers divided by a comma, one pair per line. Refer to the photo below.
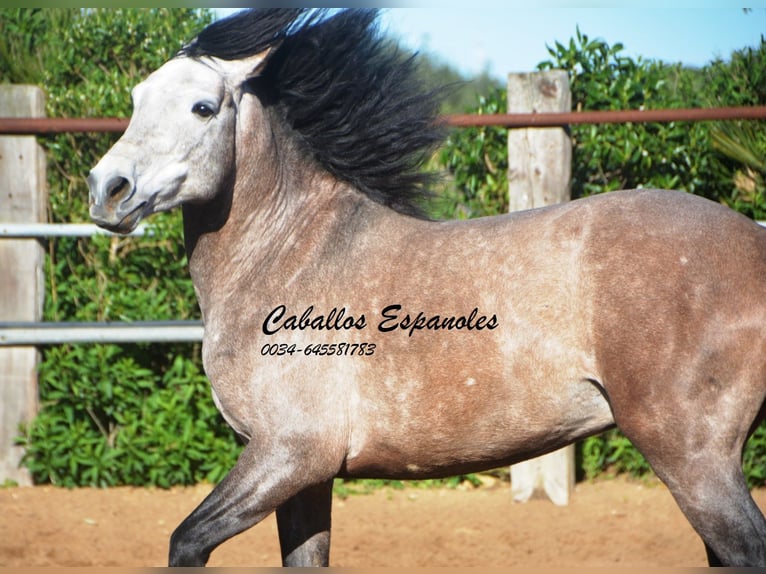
[445,433]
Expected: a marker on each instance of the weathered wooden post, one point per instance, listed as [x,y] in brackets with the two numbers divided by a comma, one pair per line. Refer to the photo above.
[539,173]
[23,198]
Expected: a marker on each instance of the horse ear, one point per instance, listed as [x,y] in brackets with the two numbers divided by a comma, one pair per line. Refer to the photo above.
[258,61]
[240,71]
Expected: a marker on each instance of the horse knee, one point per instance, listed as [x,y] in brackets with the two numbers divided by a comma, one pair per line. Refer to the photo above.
[184,550]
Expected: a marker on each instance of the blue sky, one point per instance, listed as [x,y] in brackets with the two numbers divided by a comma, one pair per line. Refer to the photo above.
[505,36]
[511,36]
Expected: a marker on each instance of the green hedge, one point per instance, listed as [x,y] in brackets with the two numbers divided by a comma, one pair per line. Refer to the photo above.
[142,414]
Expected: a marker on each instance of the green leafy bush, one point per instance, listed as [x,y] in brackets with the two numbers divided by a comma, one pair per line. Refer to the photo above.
[741,145]
[109,420]
[622,156]
[476,159]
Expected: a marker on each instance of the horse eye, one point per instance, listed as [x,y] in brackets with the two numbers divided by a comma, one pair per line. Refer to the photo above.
[203,110]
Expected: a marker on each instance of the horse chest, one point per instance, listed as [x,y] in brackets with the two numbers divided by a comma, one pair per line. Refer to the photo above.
[227,368]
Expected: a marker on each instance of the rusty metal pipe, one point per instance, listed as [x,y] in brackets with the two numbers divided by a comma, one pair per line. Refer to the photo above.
[607,117]
[37,126]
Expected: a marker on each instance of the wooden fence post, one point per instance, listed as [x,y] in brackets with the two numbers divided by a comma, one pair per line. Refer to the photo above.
[539,173]
[23,198]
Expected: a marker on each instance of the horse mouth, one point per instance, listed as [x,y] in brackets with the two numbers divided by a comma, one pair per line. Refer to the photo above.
[125,225]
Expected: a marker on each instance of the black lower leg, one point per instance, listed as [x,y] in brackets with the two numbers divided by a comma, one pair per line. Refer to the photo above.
[712,557]
[304,527]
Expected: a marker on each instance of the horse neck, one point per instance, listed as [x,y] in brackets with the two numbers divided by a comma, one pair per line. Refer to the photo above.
[264,231]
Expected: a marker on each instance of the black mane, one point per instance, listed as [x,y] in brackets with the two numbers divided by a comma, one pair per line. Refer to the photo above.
[352,100]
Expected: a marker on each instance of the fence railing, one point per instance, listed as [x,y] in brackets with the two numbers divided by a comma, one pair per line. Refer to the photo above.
[35,333]
[22,332]
[11,230]
[41,126]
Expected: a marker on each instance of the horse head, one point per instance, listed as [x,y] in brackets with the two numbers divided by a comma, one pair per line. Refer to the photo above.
[179,145]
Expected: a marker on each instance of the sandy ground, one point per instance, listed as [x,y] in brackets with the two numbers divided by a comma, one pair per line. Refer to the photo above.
[613,522]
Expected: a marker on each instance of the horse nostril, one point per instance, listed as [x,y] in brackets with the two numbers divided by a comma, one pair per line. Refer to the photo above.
[118,188]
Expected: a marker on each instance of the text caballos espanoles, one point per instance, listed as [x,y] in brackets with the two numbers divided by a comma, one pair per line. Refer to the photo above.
[392,319]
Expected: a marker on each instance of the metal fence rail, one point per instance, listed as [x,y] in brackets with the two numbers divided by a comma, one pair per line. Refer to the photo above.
[40,126]
[34,334]
[539,120]
[42,230]
[21,333]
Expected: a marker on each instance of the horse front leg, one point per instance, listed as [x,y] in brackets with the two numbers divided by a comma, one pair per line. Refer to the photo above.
[259,483]
[304,526]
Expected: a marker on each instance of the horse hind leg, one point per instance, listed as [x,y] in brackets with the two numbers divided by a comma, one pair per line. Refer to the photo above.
[303,523]
[722,511]
[710,489]
[754,515]
[694,444]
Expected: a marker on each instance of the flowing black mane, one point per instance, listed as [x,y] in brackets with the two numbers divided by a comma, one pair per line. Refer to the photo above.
[354,102]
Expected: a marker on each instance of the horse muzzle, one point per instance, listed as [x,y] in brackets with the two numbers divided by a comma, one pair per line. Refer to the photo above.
[112,202]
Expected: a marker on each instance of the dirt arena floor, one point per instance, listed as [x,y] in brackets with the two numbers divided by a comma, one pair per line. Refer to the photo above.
[614,522]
